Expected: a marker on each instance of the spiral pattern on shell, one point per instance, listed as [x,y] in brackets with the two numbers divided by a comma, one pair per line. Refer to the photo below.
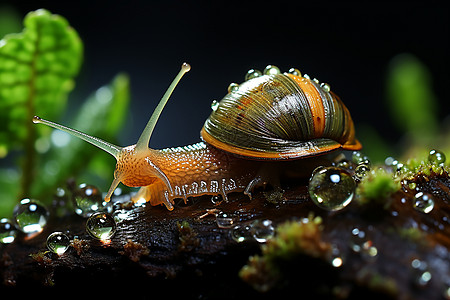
[276,116]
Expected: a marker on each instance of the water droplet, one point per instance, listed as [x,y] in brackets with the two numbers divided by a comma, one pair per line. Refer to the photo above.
[316,80]
[58,242]
[361,170]
[101,226]
[233,87]
[271,70]
[326,87]
[423,202]
[436,157]
[88,200]
[359,158]
[30,216]
[216,199]
[225,220]
[306,76]
[214,105]
[343,164]
[262,230]
[295,72]
[252,74]
[241,233]
[331,188]
[7,231]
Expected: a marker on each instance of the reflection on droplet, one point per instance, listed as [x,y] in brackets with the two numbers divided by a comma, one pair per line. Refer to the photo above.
[225,220]
[214,105]
[262,230]
[423,202]
[7,231]
[101,226]
[241,233]
[295,72]
[436,157]
[58,242]
[331,188]
[326,87]
[30,216]
[271,70]
[88,200]
[361,170]
[233,87]
[252,74]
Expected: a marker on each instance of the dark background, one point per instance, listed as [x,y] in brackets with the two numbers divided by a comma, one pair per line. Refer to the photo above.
[348,45]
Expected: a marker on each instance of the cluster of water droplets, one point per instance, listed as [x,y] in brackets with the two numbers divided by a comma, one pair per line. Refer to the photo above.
[259,230]
[30,217]
[269,70]
[422,201]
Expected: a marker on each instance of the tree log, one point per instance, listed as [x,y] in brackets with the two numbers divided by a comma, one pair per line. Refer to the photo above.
[185,253]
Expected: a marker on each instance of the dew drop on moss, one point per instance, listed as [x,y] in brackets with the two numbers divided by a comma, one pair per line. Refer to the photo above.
[331,188]
[361,170]
[58,242]
[436,157]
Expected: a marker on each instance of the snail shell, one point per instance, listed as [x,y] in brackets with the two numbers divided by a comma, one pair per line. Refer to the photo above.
[280,116]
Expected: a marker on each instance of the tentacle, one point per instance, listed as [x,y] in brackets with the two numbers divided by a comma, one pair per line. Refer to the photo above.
[155,194]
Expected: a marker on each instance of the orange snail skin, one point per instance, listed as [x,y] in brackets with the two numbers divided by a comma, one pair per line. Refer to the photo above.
[269,125]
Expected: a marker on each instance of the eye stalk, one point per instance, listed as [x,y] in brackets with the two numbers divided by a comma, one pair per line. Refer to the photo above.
[144,139]
[105,146]
[140,150]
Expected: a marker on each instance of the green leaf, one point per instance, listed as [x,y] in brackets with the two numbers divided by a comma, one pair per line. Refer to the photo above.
[103,115]
[37,68]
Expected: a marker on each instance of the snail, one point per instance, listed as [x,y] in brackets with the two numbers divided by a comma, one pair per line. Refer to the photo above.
[270,124]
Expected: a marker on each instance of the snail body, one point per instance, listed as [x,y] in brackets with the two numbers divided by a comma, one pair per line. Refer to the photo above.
[269,124]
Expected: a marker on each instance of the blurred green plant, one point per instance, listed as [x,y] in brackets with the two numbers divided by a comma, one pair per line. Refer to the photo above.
[37,70]
[412,106]
[411,100]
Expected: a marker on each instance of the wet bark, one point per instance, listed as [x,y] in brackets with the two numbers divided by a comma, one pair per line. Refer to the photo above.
[185,253]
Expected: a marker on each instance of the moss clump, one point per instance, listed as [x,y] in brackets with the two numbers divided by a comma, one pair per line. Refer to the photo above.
[377,186]
[292,239]
[187,237]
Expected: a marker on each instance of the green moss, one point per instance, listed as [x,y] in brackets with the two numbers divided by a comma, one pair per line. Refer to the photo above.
[293,238]
[187,237]
[377,186]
